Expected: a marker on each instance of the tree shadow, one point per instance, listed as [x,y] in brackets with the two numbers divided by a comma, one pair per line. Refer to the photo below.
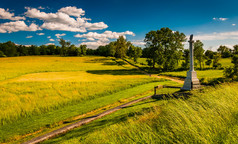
[116,72]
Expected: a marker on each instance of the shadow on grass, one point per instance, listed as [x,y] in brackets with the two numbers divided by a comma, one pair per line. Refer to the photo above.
[116,72]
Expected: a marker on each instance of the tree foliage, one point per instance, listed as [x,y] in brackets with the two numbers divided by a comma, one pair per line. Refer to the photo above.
[199,52]
[134,52]
[165,48]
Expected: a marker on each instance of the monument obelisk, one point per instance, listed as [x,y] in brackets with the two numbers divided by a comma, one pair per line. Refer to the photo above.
[191,81]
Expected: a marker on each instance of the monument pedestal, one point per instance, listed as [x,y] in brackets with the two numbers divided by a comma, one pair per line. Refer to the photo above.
[191,81]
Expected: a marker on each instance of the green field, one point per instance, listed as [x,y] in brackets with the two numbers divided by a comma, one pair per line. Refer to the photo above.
[209,116]
[206,76]
[38,93]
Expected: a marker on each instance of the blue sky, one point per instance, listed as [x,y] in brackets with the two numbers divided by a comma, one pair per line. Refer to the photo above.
[214,22]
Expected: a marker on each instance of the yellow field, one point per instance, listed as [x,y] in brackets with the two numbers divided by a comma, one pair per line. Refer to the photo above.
[35,84]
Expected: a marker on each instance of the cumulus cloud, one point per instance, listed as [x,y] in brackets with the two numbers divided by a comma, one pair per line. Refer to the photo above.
[5,14]
[220,19]
[50,44]
[51,40]
[138,42]
[29,36]
[63,27]
[60,35]
[40,7]
[72,11]
[218,36]
[49,37]
[17,26]
[40,33]
[94,45]
[104,36]
[62,20]
[233,24]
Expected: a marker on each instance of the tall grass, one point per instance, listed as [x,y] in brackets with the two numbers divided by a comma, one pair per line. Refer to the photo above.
[35,85]
[209,116]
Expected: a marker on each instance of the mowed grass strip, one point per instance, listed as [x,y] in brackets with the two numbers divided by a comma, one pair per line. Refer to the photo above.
[208,116]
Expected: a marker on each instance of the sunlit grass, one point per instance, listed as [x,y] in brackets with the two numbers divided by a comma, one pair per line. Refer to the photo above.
[209,116]
[43,90]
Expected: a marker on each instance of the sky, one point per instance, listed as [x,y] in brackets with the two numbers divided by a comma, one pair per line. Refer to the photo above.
[97,22]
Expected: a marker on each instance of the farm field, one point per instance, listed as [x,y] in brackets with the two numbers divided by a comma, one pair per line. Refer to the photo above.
[39,92]
[205,117]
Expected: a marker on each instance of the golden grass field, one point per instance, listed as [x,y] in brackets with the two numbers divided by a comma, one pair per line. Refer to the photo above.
[35,84]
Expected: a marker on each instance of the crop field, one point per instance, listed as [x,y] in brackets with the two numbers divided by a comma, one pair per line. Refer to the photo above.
[207,116]
[40,91]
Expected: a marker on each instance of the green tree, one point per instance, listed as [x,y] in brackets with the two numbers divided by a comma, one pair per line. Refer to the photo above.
[64,47]
[165,47]
[134,52]
[209,54]
[232,72]
[185,63]
[224,51]
[216,59]
[235,49]
[83,49]
[2,54]
[199,52]
[9,49]
[121,47]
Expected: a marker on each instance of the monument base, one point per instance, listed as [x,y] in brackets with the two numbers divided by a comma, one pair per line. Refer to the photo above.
[191,81]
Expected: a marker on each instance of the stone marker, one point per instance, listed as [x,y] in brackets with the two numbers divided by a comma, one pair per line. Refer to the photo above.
[191,81]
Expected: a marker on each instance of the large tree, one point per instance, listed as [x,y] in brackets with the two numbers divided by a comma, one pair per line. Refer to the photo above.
[121,47]
[64,47]
[199,52]
[165,47]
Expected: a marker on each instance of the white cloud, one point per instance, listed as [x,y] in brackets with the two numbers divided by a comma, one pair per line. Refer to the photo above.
[95,26]
[29,36]
[50,44]
[60,35]
[63,27]
[40,7]
[94,45]
[223,19]
[218,36]
[62,20]
[17,26]
[233,24]
[104,36]
[40,33]
[72,11]
[220,19]
[51,39]
[138,42]
[5,14]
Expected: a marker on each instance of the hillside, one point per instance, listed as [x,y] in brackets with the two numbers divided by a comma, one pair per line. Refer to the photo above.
[207,116]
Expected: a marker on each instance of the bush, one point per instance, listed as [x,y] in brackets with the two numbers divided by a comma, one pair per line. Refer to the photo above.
[2,54]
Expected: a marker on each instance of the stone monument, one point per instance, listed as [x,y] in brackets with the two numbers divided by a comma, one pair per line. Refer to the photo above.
[191,81]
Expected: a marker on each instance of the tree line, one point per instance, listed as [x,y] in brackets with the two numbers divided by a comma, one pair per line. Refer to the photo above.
[120,48]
